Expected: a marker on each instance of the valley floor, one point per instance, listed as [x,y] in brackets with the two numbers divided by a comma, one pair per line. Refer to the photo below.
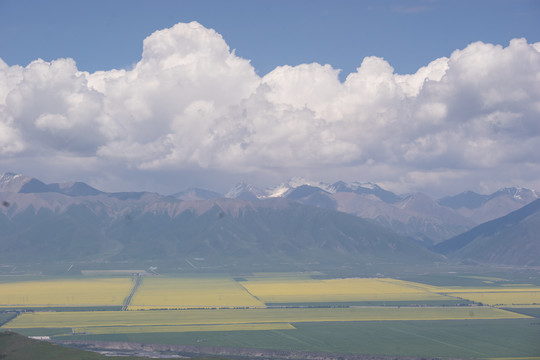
[485,317]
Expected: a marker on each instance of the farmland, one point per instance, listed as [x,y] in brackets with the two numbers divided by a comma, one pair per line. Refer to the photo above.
[284,311]
[464,338]
[498,296]
[65,292]
[249,316]
[338,290]
[180,328]
[181,293]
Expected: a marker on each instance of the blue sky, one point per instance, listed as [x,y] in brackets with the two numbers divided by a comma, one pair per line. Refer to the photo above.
[426,95]
[102,35]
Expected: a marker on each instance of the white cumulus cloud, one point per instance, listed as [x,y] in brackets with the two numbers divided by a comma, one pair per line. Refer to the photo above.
[191,105]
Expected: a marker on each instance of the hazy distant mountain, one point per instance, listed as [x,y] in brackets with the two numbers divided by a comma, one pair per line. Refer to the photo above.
[243,191]
[10,182]
[482,208]
[267,230]
[368,189]
[467,199]
[512,239]
[472,200]
[416,216]
[33,210]
[197,194]
[312,195]
[73,188]
[290,188]
[50,226]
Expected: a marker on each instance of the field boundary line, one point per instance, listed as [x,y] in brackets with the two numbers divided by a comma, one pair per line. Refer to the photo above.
[135,287]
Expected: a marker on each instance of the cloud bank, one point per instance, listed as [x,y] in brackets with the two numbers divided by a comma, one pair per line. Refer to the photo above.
[190,105]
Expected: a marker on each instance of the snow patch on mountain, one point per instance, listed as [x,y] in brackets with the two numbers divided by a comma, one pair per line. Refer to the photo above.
[11,182]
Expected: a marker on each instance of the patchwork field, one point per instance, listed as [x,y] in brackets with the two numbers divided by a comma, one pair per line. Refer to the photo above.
[258,291]
[65,292]
[87,319]
[339,290]
[182,293]
[283,311]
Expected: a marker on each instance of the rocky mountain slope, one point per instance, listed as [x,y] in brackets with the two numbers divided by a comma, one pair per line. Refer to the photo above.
[482,208]
[511,240]
[48,225]
[296,222]
[416,216]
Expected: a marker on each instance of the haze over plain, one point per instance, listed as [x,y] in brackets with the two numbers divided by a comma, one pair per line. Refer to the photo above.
[192,111]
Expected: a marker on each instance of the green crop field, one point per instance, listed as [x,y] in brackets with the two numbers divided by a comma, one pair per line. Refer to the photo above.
[466,338]
[530,311]
[6,316]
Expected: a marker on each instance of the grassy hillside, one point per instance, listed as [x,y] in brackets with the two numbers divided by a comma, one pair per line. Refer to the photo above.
[17,347]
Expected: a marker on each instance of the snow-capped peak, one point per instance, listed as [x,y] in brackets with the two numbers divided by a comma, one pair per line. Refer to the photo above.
[11,182]
[353,187]
[284,188]
[242,188]
[278,191]
[518,193]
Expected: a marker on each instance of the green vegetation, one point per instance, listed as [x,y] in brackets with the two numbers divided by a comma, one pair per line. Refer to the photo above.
[534,312]
[6,316]
[17,347]
[44,331]
[475,277]
[14,346]
[466,338]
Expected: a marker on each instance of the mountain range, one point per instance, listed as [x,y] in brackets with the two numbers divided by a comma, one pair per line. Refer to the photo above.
[296,222]
[509,240]
[416,216]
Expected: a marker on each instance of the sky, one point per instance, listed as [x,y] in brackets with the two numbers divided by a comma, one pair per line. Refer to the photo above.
[432,96]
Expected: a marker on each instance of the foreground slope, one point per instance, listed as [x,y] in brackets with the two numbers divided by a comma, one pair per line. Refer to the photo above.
[14,346]
[512,239]
[17,347]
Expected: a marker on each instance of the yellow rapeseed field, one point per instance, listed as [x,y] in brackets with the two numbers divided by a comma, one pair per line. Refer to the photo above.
[338,290]
[181,328]
[502,298]
[87,319]
[196,292]
[497,296]
[65,292]
[488,289]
